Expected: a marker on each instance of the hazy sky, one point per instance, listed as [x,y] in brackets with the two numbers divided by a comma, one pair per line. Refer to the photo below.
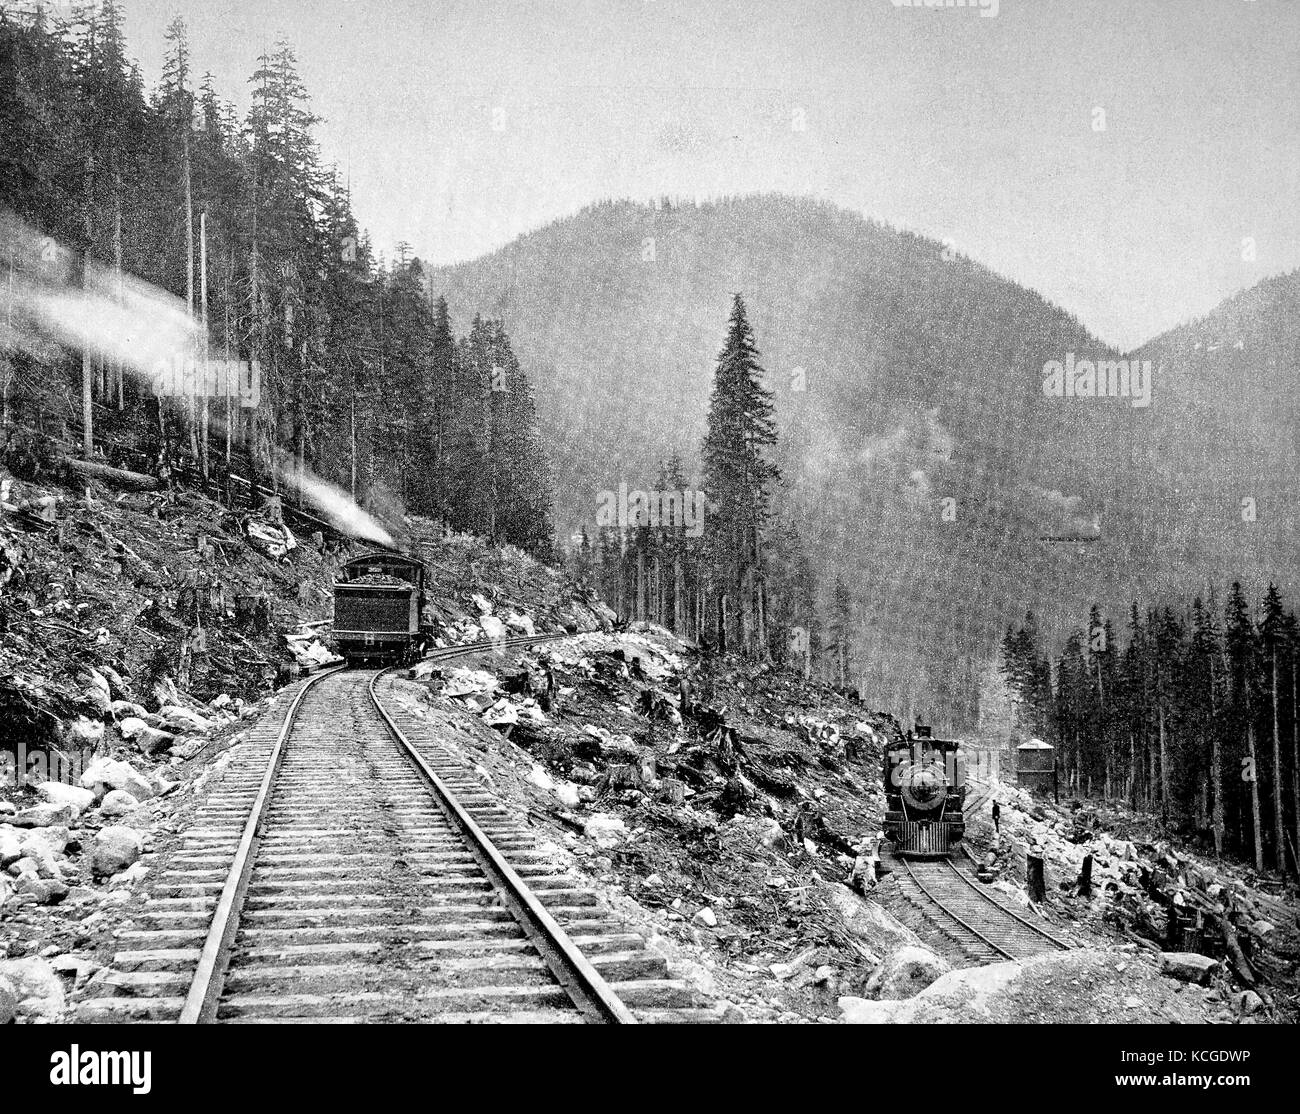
[465,122]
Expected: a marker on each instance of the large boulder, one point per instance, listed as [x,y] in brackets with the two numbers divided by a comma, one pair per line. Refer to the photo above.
[43,815]
[1079,987]
[36,986]
[906,972]
[74,795]
[520,624]
[105,774]
[114,849]
[11,846]
[605,830]
[493,627]
[43,891]
[83,733]
[1188,966]
[117,803]
[153,741]
[96,691]
[127,709]
[183,721]
[46,841]
[871,923]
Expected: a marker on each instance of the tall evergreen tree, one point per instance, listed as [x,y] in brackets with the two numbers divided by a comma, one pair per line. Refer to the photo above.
[738,476]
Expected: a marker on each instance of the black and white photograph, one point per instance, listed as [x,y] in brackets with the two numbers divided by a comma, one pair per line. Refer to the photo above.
[651,512]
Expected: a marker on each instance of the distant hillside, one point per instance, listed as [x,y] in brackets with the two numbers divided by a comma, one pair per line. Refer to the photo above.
[923,377]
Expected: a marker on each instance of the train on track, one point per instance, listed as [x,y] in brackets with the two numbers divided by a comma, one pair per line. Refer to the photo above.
[925,794]
[379,600]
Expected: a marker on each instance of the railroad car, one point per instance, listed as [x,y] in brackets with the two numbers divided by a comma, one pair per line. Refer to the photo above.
[378,602]
[925,793]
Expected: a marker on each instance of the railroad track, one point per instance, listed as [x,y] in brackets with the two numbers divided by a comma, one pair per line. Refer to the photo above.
[964,910]
[979,795]
[348,868]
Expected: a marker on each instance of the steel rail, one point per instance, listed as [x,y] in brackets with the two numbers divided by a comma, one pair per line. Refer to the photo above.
[974,931]
[1010,912]
[205,990]
[590,993]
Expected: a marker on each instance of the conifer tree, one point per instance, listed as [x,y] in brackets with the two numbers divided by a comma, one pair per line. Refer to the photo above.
[738,476]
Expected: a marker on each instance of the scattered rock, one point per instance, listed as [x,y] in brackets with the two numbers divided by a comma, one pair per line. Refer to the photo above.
[72,795]
[36,986]
[182,721]
[1075,987]
[784,971]
[1188,966]
[520,624]
[605,830]
[83,734]
[118,803]
[707,917]
[1247,1002]
[43,815]
[44,891]
[53,840]
[540,778]
[137,872]
[493,627]
[104,774]
[906,972]
[131,726]
[11,846]
[114,849]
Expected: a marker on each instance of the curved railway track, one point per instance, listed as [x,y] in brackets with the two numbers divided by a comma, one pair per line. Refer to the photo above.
[980,925]
[344,872]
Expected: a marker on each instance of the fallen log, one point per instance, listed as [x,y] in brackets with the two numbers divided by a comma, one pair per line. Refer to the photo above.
[1240,964]
[119,477]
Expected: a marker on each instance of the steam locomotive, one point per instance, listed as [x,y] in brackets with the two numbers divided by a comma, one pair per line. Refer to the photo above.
[925,792]
[378,604]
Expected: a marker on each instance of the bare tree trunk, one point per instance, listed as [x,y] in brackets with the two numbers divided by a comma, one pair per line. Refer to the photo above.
[203,322]
[1216,767]
[1254,789]
[189,275]
[1279,827]
[1295,762]
[117,386]
[639,610]
[229,408]
[679,594]
[87,402]
[1164,765]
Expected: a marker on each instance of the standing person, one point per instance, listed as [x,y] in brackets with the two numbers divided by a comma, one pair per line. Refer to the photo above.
[997,816]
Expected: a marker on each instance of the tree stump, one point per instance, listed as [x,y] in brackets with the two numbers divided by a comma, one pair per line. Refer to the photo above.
[1085,877]
[1036,879]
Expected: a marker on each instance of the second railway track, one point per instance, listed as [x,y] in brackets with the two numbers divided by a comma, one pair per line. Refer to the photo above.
[343,873]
